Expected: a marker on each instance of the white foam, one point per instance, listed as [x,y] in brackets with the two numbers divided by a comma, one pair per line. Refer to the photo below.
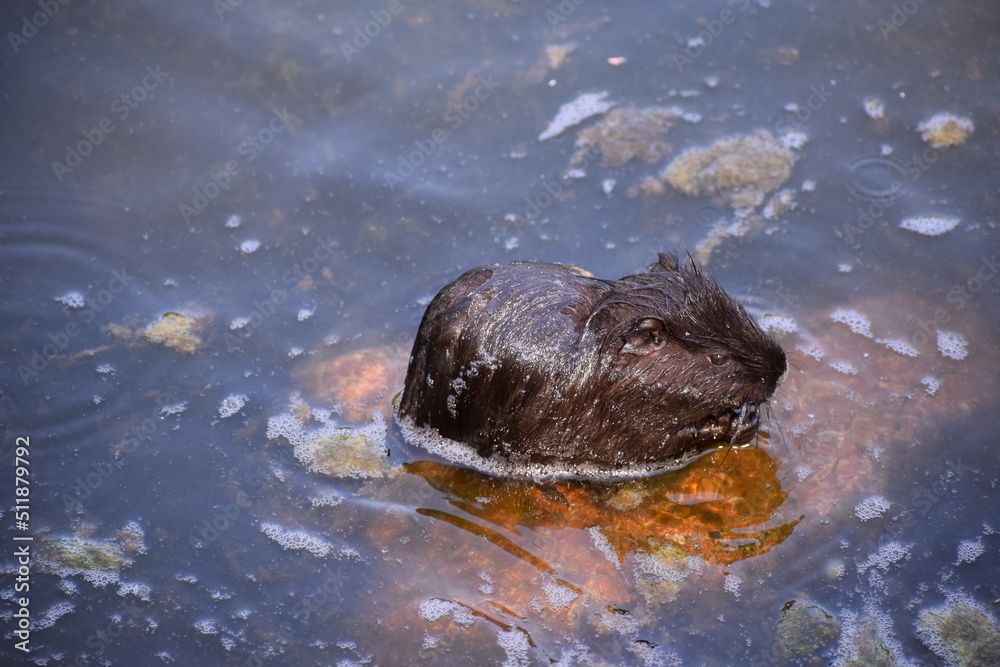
[814,351]
[249,246]
[887,554]
[231,405]
[930,225]
[517,645]
[779,323]
[297,540]
[874,108]
[557,594]
[970,550]
[434,608]
[577,111]
[952,345]
[463,455]
[899,346]
[49,617]
[603,544]
[871,507]
[845,367]
[72,300]
[931,385]
[732,584]
[854,320]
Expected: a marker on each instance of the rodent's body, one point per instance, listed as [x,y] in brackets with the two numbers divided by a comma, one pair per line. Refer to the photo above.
[540,364]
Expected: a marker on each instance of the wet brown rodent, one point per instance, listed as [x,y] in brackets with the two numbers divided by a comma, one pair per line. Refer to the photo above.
[541,366]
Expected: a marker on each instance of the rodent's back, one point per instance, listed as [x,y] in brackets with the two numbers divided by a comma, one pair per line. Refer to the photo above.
[504,334]
[540,364]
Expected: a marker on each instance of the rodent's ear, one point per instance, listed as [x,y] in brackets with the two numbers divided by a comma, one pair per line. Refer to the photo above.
[648,334]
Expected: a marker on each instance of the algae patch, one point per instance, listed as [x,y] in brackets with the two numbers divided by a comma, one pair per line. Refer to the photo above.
[329,448]
[738,171]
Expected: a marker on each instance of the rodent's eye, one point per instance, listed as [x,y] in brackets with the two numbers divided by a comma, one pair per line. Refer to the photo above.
[719,359]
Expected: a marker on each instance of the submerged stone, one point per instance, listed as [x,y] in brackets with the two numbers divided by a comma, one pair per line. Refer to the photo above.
[805,628]
[961,633]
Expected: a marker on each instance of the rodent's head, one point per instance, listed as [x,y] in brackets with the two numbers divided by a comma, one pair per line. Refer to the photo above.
[685,354]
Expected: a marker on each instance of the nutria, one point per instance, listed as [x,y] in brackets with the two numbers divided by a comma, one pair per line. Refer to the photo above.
[542,368]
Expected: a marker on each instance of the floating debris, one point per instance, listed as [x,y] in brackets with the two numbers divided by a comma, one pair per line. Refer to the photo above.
[577,111]
[73,300]
[338,451]
[739,171]
[930,225]
[347,454]
[81,554]
[945,129]
[176,331]
[874,108]
[249,246]
[628,133]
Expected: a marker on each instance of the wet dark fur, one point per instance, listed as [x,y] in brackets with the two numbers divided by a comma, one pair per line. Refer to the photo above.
[539,364]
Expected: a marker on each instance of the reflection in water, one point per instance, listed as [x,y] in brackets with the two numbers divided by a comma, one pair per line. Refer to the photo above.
[889,457]
[719,507]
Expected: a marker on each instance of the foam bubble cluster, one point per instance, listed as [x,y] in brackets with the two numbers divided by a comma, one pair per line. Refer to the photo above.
[297,540]
[874,108]
[854,320]
[930,225]
[845,367]
[72,300]
[899,346]
[952,345]
[249,246]
[779,323]
[888,553]
[558,595]
[970,550]
[463,455]
[231,405]
[732,584]
[871,507]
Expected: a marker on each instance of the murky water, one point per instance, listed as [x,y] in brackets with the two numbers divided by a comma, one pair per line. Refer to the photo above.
[296,181]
